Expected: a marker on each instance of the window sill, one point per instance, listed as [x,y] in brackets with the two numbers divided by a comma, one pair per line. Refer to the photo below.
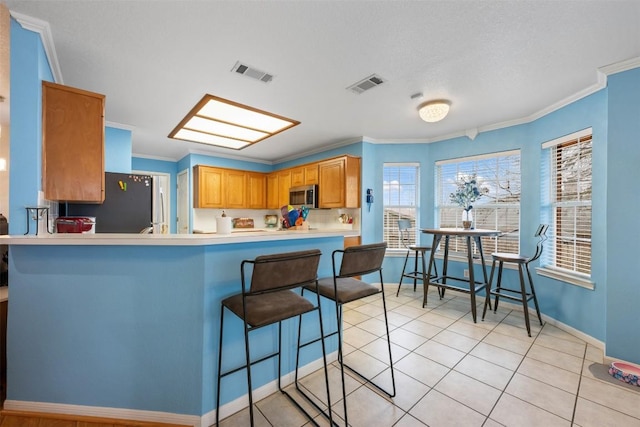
[569,278]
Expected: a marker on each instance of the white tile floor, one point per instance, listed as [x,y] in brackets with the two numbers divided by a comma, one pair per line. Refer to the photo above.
[452,372]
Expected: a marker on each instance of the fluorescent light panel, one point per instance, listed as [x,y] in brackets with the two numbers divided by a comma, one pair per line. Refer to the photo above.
[218,121]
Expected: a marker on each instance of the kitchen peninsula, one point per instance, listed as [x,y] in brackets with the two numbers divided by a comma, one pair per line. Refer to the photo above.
[127,326]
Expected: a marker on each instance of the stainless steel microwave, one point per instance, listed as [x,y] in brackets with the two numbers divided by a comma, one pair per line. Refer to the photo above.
[306,195]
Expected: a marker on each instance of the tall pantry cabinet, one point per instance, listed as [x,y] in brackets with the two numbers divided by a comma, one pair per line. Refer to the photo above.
[72,144]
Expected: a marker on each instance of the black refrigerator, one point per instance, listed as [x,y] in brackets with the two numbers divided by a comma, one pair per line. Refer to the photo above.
[127,206]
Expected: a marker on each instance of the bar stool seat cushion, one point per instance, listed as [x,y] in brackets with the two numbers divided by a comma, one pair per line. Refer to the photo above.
[349,289]
[269,308]
[507,257]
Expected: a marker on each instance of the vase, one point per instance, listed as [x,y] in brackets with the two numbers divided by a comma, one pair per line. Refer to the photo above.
[467,219]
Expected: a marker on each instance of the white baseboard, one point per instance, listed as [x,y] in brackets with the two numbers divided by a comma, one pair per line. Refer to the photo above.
[205,420]
[97,411]
[242,402]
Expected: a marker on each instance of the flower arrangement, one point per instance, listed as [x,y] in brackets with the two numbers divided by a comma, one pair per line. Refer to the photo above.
[468,192]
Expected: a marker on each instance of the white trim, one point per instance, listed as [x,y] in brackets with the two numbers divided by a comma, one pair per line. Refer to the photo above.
[209,419]
[205,420]
[119,126]
[42,27]
[572,279]
[97,411]
[618,67]
[575,135]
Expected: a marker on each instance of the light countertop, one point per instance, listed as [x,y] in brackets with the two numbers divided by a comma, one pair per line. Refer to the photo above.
[118,239]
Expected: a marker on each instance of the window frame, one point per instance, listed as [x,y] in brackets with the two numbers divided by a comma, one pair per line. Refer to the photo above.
[510,239]
[550,204]
[391,229]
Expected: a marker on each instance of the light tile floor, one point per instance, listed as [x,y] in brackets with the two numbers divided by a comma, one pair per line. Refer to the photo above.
[452,372]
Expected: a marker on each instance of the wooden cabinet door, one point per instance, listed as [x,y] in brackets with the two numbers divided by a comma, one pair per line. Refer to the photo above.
[72,144]
[256,190]
[311,174]
[331,183]
[235,184]
[284,183]
[339,183]
[272,191]
[208,187]
[297,177]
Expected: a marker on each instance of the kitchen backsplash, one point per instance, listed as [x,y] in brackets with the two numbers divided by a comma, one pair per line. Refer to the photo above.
[205,219]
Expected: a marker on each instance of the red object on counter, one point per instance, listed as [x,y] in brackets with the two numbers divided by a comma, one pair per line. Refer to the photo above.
[74,224]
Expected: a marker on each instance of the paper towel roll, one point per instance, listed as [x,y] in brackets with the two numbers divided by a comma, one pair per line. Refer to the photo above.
[223,225]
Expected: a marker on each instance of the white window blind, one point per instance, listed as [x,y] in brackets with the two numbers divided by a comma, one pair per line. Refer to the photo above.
[400,200]
[498,209]
[568,203]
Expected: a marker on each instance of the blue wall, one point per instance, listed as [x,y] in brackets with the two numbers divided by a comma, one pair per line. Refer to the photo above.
[117,150]
[622,283]
[29,67]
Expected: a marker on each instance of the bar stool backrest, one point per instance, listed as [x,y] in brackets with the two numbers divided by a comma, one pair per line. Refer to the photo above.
[282,271]
[403,226]
[363,259]
[541,234]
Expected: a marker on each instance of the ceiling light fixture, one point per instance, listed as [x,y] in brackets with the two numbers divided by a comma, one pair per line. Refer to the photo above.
[218,121]
[434,111]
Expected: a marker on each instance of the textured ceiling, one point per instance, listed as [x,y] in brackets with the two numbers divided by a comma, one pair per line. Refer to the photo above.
[497,61]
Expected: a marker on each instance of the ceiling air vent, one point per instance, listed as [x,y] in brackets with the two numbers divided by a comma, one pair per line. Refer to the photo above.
[366,84]
[254,73]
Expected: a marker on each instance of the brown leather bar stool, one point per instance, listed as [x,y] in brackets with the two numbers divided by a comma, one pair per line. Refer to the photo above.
[344,287]
[403,227]
[520,295]
[270,299]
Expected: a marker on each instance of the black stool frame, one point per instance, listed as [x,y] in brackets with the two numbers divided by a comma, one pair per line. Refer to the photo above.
[403,228]
[306,272]
[519,295]
[343,288]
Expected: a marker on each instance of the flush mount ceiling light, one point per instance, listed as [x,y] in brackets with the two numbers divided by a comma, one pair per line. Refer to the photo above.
[218,121]
[434,111]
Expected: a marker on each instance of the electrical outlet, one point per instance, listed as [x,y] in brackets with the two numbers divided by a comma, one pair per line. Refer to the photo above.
[466,272]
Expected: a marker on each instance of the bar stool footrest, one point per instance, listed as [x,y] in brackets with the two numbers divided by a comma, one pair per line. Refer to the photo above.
[511,294]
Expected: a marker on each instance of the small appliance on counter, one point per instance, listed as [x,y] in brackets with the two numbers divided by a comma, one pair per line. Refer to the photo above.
[271,221]
[75,224]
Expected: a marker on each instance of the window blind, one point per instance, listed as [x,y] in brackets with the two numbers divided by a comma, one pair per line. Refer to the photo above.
[569,196]
[498,209]
[400,201]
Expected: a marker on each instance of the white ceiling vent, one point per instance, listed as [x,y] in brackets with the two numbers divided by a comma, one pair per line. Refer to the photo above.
[366,84]
[247,70]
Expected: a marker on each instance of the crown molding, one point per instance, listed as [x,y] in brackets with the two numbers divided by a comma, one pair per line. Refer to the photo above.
[119,126]
[42,27]
[618,67]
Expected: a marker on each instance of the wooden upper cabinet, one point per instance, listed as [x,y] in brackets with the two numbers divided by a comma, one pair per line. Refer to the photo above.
[235,186]
[339,183]
[72,144]
[256,190]
[208,187]
[284,184]
[304,175]
[273,199]
[297,176]
[311,174]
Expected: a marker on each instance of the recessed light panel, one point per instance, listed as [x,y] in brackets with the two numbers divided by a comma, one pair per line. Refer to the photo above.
[224,123]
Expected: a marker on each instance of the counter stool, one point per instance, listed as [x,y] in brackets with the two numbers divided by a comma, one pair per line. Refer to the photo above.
[403,226]
[268,300]
[343,288]
[521,295]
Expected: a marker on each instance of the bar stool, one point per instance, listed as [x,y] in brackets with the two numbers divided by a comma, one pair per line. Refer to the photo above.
[343,288]
[268,300]
[403,227]
[521,295]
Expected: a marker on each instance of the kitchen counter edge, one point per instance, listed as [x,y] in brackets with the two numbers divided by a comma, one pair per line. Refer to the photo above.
[116,239]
